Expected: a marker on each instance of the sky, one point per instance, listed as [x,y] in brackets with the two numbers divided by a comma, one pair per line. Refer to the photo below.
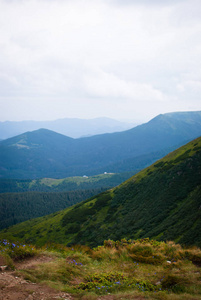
[123,59]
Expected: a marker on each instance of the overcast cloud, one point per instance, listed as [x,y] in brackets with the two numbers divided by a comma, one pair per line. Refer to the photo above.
[121,59]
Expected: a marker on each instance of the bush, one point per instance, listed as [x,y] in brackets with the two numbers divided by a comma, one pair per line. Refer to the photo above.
[111,282]
[175,283]
[5,260]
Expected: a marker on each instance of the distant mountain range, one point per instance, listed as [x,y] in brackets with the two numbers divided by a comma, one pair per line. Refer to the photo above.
[72,127]
[162,202]
[44,153]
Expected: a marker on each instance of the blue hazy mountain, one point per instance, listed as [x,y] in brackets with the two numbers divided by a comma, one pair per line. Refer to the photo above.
[44,153]
[72,127]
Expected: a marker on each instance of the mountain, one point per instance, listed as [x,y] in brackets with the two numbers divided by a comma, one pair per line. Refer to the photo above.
[162,201]
[72,127]
[44,153]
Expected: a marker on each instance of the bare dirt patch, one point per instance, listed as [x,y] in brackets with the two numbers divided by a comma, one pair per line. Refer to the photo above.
[13,287]
[31,263]
[113,297]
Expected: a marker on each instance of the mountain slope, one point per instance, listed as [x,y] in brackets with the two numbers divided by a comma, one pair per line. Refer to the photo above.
[33,154]
[44,153]
[162,201]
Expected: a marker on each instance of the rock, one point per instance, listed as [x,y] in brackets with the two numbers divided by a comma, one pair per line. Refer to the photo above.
[3,268]
[29,297]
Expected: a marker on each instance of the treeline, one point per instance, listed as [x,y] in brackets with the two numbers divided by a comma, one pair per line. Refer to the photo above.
[19,207]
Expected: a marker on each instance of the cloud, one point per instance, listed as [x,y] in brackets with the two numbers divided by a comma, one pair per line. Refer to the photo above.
[139,52]
[102,84]
[149,3]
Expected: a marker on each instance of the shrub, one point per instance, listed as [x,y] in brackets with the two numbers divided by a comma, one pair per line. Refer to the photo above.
[111,282]
[174,282]
[5,260]
[172,251]
[193,255]
[16,250]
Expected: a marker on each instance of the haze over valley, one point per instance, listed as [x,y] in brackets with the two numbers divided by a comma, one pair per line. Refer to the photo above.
[72,127]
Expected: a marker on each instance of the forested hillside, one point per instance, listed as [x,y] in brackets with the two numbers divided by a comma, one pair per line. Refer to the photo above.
[19,207]
[162,201]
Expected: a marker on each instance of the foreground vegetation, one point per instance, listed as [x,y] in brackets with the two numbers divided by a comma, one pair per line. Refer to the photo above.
[125,269]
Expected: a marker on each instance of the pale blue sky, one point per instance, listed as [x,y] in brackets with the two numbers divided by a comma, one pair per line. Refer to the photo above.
[130,59]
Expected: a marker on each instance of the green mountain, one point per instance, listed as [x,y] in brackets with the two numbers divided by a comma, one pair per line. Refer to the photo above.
[44,153]
[162,201]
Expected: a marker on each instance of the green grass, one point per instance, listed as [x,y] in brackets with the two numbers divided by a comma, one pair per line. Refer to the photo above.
[78,180]
[124,269]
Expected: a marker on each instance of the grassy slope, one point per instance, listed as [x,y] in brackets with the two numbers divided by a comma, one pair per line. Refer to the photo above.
[162,201]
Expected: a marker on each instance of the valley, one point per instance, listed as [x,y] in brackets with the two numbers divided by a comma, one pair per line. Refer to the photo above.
[162,202]
[64,184]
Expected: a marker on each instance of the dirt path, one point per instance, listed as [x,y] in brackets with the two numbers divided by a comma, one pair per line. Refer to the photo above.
[13,287]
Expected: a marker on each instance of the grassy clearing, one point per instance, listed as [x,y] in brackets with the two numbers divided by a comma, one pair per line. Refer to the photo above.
[125,269]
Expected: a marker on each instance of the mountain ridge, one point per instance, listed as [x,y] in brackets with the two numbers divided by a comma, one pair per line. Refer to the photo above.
[72,127]
[50,154]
